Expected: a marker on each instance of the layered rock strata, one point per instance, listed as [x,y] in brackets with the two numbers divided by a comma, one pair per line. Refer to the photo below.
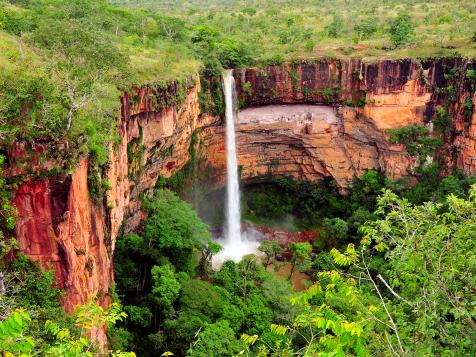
[307,142]
[63,228]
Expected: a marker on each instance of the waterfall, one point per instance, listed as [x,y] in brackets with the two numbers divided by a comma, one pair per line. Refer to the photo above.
[233,214]
[235,243]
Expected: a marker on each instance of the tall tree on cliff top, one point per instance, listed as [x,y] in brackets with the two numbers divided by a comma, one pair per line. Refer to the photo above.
[402,30]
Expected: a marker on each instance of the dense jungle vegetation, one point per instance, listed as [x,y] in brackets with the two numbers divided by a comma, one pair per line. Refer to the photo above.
[386,276]
[392,270]
[381,274]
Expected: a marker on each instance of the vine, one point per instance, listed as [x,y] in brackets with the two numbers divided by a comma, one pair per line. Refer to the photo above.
[135,150]
[295,79]
[211,96]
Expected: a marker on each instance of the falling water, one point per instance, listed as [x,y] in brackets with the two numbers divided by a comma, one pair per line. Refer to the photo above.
[236,244]
[233,216]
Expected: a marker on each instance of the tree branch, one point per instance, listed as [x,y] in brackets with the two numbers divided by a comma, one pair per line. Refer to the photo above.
[392,291]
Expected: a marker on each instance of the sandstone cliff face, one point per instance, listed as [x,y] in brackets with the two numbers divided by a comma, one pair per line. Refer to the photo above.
[60,226]
[163,139]
[464,141]
[297,141]
[372,99]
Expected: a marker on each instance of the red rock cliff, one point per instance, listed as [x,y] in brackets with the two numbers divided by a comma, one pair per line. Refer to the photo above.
[60,226]
[366,99]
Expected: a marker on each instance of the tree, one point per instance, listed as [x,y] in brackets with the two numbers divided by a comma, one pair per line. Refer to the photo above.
[172,28]
[300,259]
[402,30]
[15,341]
[81,59]
[334,230]
[272,249]
[165,286]
[334,29]
[204,34]
[138,315]
[205,264]
[359,218]
[174,228]
[232,54]
[309,46]
[30,105]
[428,277]
[416,140]
[249,12]
[365,190]
[12,339]
[203,298]
[407,290]
[215,339]
[332,320]
[443,120]
[257,315]
[366,28]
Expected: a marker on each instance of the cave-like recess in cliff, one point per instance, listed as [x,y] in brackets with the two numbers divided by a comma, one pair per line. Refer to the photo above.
[271,139]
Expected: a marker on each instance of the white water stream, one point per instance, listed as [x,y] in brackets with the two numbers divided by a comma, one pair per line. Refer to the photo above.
[236,244]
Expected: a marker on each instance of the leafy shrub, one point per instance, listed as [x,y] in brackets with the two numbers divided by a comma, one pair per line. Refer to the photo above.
[402,30]
[366,28]
[16,21]
[14,340]
[273,60]
[216,339]
[174,228]
[232,54]
[468,108]
[141,316]
[309,45]
[165,286]
[416,140]
[334,29]
[443,120]
[333,231]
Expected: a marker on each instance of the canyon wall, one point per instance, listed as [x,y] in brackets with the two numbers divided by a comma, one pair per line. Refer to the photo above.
[297,142]
[64,228]
[367,100]
[61,226]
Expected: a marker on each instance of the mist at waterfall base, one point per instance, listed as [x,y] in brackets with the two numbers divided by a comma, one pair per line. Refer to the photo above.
[236,243]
